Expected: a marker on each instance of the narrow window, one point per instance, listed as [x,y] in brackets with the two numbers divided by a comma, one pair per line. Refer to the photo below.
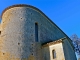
[54,54]
[0,32]
[36,32]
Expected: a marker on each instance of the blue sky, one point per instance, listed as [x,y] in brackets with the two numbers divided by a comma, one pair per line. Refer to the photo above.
[66,13]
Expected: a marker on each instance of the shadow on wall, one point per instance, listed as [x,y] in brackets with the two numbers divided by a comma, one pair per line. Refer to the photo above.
[0,20]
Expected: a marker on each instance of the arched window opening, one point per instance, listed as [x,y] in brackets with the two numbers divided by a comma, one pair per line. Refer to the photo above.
[54,54]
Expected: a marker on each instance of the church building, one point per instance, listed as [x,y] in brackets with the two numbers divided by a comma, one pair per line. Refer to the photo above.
[26,33]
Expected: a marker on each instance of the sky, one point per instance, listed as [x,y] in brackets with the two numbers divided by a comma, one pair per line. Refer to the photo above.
[64,13]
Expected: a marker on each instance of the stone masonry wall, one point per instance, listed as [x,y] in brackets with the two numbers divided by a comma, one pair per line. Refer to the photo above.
[68,51]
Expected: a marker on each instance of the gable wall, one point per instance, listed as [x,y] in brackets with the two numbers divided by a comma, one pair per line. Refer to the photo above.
[18,33]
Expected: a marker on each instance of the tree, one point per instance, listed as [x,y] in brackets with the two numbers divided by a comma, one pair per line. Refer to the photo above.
[76,43]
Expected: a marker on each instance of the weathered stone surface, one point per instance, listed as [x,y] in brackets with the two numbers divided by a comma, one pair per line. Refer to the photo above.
[68,51]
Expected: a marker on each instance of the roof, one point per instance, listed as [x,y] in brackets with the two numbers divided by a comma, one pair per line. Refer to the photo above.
[25,5]
[54,42]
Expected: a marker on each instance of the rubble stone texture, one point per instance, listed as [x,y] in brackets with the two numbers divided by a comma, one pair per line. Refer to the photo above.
[23,31]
